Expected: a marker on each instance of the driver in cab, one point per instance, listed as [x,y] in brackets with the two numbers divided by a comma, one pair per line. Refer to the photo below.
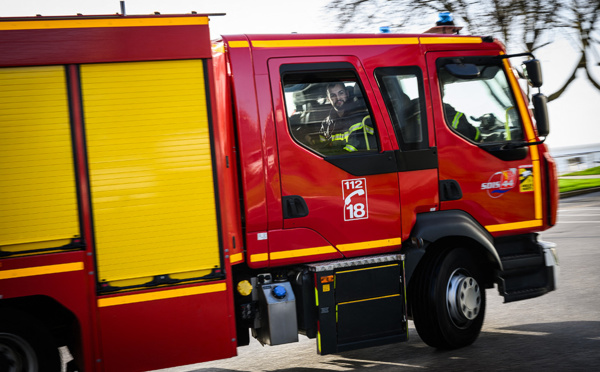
[348,126]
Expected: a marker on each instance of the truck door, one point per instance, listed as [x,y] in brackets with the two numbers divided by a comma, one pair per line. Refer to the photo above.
[339,188]
[482,126]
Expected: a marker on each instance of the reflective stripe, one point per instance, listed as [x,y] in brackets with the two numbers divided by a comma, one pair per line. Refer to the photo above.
[455,125]
[353,128]
[259,257]
[239,44]
[530,135]
[236,257]
[340,137]
[350,148]
[507,133]
[456,119]
[367,129]
[53,24]
[162,295]
[369,244]
[334,42]
[356,127]
[303,252]
[514,225]
[41,270]
[450,40]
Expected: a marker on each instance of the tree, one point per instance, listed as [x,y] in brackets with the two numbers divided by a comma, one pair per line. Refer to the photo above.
[522,25]
[582,19]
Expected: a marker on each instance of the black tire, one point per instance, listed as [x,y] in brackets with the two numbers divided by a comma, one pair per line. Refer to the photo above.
[448,299]
[26,345]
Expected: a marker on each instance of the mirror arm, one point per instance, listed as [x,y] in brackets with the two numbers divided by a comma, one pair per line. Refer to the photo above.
[526,54]
[511,145]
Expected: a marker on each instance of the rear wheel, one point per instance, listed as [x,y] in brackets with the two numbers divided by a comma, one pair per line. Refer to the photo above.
[26,345]
[448,300]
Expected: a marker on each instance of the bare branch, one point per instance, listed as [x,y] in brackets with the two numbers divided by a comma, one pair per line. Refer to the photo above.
[558,93]
[591,79]
[522,24]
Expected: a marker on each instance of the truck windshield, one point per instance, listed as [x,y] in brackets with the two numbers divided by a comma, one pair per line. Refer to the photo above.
[481,108]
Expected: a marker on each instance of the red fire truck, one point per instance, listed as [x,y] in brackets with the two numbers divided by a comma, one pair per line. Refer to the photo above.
[165,197]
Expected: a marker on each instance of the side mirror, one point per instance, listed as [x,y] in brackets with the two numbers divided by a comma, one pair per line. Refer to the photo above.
[533,72]
[540,107]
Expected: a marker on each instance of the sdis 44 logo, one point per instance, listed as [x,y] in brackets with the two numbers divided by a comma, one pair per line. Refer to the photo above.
[501,182]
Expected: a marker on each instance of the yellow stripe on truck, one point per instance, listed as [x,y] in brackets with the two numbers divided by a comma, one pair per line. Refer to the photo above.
[302,252]
[369,244]
[514,226]
[41,270]
[50,24]
[161,295]
[293,43]
[530,135]
[450,40]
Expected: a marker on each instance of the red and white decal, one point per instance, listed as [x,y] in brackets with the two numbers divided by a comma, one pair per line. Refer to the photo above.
[354,194]
[501,182]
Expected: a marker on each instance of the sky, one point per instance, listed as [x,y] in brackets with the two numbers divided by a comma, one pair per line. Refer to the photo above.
[574,117]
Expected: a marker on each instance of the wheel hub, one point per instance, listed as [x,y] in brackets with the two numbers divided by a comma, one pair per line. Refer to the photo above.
[463,297]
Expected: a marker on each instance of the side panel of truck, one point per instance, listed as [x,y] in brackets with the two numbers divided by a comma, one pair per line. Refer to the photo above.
[112,218]
[153,199]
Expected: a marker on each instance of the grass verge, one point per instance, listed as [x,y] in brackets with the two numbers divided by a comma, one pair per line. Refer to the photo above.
[587,172]
[571,185]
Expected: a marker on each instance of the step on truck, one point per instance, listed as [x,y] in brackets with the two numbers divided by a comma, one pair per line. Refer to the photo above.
[165,198]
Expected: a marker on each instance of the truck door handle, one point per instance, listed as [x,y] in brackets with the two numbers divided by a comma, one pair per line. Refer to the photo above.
[450,190]
[294,207]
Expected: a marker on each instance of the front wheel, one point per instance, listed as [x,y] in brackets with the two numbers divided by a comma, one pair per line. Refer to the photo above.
[448,300]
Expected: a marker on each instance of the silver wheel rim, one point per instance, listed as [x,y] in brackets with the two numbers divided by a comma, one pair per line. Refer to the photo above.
[17,353]
[463,296]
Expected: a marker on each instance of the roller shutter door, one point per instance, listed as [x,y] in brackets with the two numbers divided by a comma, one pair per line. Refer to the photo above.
[38,200]
[151,170]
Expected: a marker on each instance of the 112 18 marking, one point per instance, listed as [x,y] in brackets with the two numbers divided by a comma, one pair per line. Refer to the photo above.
[354,193]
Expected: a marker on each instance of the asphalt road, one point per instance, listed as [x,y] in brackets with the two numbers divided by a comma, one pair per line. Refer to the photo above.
[556,332]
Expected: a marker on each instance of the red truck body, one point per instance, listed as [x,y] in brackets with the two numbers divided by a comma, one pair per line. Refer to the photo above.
[196,200]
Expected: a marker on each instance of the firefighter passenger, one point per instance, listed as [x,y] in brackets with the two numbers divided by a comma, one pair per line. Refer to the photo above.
[458,121]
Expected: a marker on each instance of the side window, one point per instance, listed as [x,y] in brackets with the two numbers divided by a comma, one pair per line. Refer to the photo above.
[327,112]
[478,102]
[402,91]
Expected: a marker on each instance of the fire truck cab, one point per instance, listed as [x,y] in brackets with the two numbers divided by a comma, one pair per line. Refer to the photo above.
[448,145]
